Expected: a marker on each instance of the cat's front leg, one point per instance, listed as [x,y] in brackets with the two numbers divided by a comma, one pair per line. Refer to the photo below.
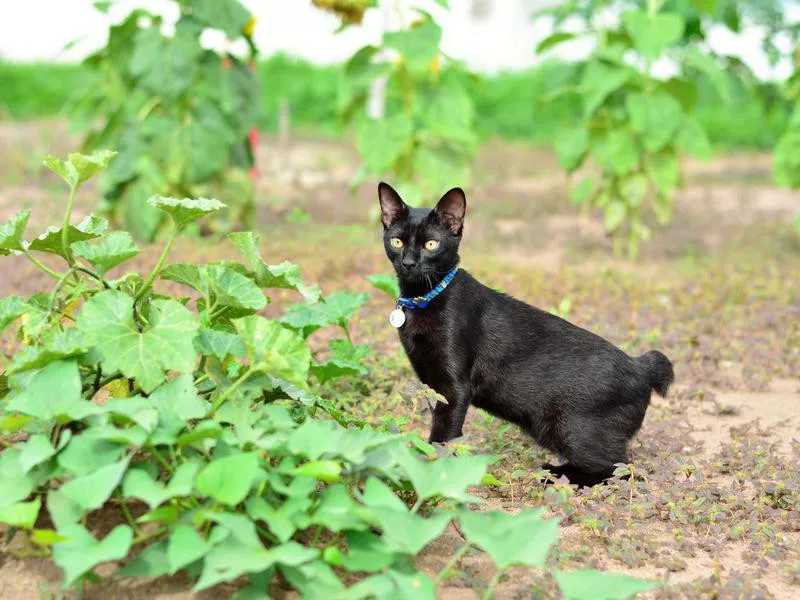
[448,419]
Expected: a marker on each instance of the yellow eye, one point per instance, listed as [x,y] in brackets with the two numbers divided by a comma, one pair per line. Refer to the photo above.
[431,245]
[396,243]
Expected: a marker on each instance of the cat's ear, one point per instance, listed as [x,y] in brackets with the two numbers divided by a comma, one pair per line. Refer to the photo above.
[392,205]
[451,210]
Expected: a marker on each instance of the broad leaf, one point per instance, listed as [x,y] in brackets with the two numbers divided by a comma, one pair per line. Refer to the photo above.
[53,391]
[219,344]
[21,514]
[554,40]
[656,118]
[51,242]
[616,151]
[285,275]
[110,251]
[524,539]
[387,283]
[186,210]
[83,552]
[578,585]
[614,215]
[418,45]
[449,477]
[408,532]
[87,165]
[65,345]
[228,479]
[139,484]
[91,491]
[600,81]
[35,451]
[165,344]
[167,66]
[229,16]
[11,232]
[185,546]
[571,147]
[382,141]
[693,139]
[274,349]
[232,289]
[652,34]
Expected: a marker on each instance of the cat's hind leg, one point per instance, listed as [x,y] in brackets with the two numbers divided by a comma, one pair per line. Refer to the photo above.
[576,475]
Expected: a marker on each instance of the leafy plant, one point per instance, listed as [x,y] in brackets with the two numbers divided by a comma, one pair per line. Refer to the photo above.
[635,125]
[179,114]
[201,429]
[426,138]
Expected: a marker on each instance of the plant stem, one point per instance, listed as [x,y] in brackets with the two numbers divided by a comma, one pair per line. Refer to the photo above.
[160,458]
[129,517]
[61,282]
[227,394]
[65,227]
[149,536]
[40,265]
[452,563]
[417,505]
[492,584]
[157,269]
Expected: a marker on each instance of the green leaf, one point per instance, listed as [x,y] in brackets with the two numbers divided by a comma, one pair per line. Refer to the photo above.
[582,191]
[51,242]
[387,283]
[652,34]
[707,7]
[230,559]
[655,117]
[11,232]
[111,250]
[64,345]
[617,151]
[185,546]
[578,585]
[274,349]
[286,275]
[615,215]
[219,344]
[35,451]
[449,112]
[229,16]
[664,171]
[408,532]
[571,147]
[11,309]
[167,66]
[711,68]
[139,484]
[83,552]
[633,188]
[600,81]
[86,165]
[523,539]
[366,552]
[91,491]
[46,537]
[150,563]
[21,514]
[554,40]
[692,139]
[412,586]
[382,141]
[329,471]
[63,511]
[228,479]
[418,46]
[88,451]
[378,495]
[232,289]
[337,511]
[185,210]
[165,344]
[63,168]
[449,477]
[53,391]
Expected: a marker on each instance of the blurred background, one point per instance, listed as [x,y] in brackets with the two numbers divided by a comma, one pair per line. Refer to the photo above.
[630,165]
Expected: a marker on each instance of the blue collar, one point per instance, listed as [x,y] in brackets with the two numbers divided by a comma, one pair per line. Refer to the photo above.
[423,301]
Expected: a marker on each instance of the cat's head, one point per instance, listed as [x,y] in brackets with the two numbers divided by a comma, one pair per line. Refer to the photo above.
[422,243]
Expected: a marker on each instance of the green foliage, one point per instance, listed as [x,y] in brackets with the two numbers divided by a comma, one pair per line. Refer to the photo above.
[199,415]
[179,114]
[634,125]
[426,141]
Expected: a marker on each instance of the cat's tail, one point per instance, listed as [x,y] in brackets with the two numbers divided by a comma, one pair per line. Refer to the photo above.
[658,370]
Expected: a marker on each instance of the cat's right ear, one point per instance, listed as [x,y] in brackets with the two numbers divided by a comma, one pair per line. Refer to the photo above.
[392,205]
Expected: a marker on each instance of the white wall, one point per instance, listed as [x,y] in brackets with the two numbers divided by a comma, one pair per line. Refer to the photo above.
[504,39]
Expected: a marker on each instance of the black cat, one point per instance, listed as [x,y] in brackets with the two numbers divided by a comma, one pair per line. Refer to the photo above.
[575,393]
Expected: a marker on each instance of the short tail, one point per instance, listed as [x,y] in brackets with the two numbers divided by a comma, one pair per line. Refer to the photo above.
[659,371]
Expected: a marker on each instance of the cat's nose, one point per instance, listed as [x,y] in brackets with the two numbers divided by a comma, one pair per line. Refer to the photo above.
[409,261]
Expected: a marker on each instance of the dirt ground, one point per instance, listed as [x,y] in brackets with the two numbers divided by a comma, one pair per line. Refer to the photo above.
[713,507]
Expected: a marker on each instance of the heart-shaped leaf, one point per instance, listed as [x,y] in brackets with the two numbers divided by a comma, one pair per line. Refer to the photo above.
[524,539]
[387,283]
[274,349]
[448,477]
[83,552]
[21,514]
[110,251]
[91,491]
[228,479]
[51,241]
[652,34]
[12,232]
[408,532]
[165,344]
[578,585]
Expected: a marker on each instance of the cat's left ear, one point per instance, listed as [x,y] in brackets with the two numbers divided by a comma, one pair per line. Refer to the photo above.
[451,210]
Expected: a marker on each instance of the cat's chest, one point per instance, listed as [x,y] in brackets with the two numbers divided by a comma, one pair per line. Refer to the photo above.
[424,335]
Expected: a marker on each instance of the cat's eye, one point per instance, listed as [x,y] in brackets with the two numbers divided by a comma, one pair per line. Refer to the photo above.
[396,243]
[431,245]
